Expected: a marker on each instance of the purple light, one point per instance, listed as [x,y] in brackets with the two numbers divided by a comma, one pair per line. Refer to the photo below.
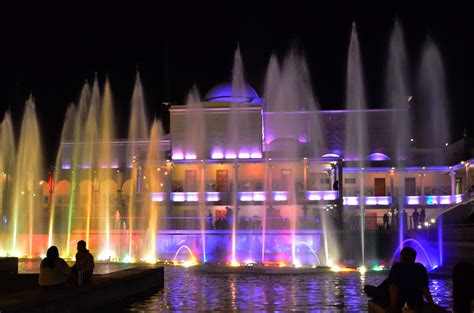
[66,166]
[330,155]
[280,195]
[246,196]
[157,196]
[177,156]
[445,200]
[378,200]
[256,155]
[190,156]
[217,155]
[317,195]
[212,196]
[378,157]
[302,139]
[244,155]
[350,200]
[230,155]
[177,196]
[413,200]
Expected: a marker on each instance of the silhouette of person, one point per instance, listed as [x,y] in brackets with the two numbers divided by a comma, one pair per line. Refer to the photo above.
[415,216]
[54,271]
[84,262]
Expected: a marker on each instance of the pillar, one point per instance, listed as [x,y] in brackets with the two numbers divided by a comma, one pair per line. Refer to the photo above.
[452,174]
[468,180]
[340,202]
[305,175]
[235,190]
[422,191]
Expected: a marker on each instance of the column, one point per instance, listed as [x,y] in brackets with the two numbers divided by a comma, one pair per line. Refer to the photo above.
[468,180]
[422,184]
[305,175]
[452,174]
[340,202]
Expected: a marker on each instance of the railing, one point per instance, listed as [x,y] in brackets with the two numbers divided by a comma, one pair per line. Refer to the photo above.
[313,195]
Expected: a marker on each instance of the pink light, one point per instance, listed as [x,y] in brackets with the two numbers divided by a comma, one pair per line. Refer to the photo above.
[212,196]
[244,155]
[157,196]
[230,155]
[413,200]
[259,196]
[217,155]
[177,156]
[256,155]
[192,196]
[178,196]
[280,196]
[313,197]
[445,199]
[190,157]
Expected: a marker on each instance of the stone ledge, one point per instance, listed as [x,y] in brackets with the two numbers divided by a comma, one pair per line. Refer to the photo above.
[102,290]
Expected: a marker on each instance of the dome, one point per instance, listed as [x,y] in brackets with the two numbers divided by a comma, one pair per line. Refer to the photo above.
[223,92]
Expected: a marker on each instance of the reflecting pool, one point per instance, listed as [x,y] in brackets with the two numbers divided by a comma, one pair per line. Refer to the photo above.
[186,289]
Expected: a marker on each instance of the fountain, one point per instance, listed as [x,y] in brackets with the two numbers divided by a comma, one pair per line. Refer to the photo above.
[356,124]
[240,180]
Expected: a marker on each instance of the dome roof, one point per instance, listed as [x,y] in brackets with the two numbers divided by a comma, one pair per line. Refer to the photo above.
[223,92]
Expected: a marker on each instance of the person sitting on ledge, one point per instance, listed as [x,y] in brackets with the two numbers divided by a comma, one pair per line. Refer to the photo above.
[84,263]
[54,271]
[407,283]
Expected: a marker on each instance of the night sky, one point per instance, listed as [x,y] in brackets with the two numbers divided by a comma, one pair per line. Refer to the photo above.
[50,51]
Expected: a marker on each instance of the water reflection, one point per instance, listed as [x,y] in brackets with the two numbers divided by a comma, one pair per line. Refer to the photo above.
[329,292]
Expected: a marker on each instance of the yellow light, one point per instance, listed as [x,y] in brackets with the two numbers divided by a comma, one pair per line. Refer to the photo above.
[362,269]
[234,263]
[41,182]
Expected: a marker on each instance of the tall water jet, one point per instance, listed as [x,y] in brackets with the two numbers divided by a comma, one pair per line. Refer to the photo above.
[107,186]
[138,130]
[154,185]
[89,156]
[194,149]
[56,225]
[271,89]
[396,98]
[238,90]
[290,90]
[433,100]
[356,123]
[7,164]
[26,202]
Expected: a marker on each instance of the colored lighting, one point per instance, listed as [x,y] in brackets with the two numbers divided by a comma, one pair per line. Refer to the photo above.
[362,269]
[217,155]
[66,166]
[280,196]
[177,156]
[191,157]
[256,155]
[212,196]
[247,196]
[230,156]
[413,200]
[351,200]
[157,196]
[177,197]
[378,268]
[244,155]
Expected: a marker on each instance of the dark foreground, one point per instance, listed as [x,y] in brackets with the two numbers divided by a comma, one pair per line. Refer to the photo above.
[105,289]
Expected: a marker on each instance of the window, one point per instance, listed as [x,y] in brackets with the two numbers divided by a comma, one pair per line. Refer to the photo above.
[349,181]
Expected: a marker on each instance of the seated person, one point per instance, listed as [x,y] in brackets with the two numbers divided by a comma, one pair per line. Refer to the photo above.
[54,271]
[406,283]
[84,262]
[463,288]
